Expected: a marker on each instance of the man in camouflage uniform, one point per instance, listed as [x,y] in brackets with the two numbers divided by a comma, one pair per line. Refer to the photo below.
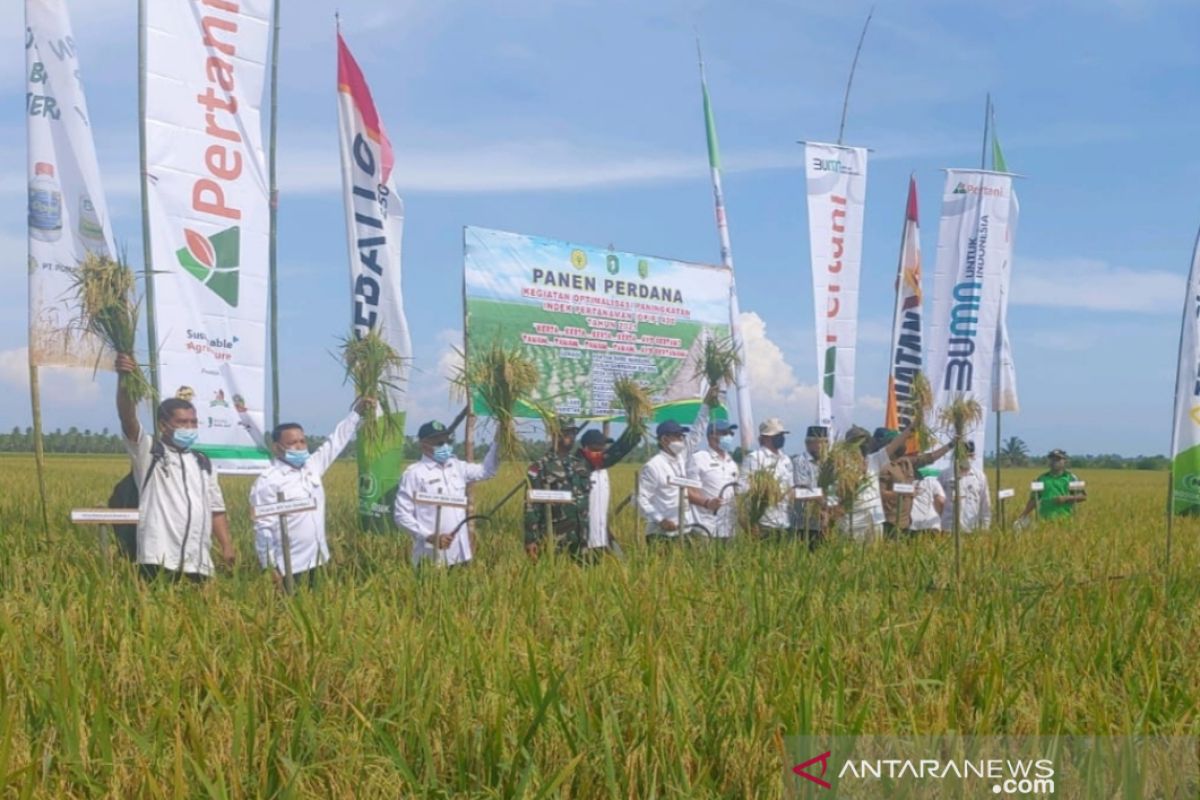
[580,526]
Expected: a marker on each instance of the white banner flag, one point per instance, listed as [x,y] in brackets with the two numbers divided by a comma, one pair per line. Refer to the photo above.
[1004,388]
[1185,432]
[837,193]
[67,214]
[974,249]
[206,183]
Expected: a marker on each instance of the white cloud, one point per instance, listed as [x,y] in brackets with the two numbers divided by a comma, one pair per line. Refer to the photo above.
[1095,285]
[773,384]
[61,387]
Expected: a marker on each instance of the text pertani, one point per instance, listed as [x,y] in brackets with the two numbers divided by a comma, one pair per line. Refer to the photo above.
[223,157]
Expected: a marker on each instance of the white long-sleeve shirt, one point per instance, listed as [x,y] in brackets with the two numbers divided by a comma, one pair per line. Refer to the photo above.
[715,470]
[866,516]
[657,499]
[176,503]
[451,479]
[306,529]
[975,507]
[598,509]
[925,516]
[780,466]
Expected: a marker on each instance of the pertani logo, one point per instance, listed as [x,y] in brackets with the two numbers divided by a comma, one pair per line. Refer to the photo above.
[974,188]
[213,260]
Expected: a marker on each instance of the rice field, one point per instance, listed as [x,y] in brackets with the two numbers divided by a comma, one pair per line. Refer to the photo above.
[671,674]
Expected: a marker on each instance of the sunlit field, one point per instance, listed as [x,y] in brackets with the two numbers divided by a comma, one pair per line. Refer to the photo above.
[668,673]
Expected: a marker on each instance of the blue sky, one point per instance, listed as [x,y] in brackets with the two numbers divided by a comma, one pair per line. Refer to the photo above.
[581,120]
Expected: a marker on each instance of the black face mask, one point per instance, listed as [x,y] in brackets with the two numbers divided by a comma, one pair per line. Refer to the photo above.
[778,440]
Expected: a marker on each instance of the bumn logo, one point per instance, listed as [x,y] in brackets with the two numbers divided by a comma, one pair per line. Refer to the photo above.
[213,260]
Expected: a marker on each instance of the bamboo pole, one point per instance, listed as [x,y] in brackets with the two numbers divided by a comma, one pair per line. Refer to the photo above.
[274,213]
[39,451]
[147,254]
[850,80]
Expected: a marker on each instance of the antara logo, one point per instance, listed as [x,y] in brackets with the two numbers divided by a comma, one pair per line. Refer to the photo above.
[802,770]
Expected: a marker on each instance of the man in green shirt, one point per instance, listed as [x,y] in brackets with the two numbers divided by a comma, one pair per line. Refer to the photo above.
[1058,501]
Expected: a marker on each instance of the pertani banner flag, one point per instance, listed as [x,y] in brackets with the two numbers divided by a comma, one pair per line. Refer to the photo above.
[68,217]
[374,225]
[974,248]
[906,320]
[587,316]
[1185,432]
[837,193]
[206,187]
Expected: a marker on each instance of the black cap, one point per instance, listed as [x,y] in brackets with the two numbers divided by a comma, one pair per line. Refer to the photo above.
[594,437]
[817,432]
[432,429]
[669,428]
[1057,453]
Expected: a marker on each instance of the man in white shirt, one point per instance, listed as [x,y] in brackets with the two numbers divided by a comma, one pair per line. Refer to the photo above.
[295,474]
[182,510]
[806,467]
[439,537]
[975,506]
[769,457]
[713,513]
[928,502]
[864,520]
[657,497]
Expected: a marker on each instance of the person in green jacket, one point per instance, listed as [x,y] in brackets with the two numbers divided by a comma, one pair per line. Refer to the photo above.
[1057,501]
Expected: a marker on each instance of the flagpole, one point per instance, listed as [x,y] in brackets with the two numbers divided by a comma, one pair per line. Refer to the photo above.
[987,123]
[853,66]
[891,398]
[745,410]
[147,256]
[273,278]
[39,450]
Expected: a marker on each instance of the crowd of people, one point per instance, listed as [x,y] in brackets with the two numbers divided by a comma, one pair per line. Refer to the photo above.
[686,491]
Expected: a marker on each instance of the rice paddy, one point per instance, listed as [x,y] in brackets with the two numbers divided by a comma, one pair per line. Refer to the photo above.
[670,673]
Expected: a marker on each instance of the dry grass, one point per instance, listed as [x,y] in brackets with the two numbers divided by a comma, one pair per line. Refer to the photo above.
[374,368]
[635,401]
[504,378]
[109,307]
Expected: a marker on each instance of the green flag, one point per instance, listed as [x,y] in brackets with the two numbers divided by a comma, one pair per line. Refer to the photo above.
[714,156]
[998,163]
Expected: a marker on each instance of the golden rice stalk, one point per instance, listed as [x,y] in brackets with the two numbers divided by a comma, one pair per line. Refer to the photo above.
[921,402]
[504,378]
[373,366]
[635,401]
[843,473]
[960,418]
[718,364]
[550,422]
[108,308]
[763,493]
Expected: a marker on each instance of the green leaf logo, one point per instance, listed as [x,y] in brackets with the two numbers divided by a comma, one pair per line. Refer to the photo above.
[213,260]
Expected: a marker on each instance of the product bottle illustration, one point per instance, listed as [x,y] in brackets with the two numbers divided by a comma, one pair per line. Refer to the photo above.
[45,204]
[90,229]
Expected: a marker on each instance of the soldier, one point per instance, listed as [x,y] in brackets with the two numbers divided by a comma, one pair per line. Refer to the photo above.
[902,469]
[581,526]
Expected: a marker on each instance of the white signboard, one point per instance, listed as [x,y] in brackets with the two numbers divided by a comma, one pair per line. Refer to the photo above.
[431,499]
[802,493]
[284,507]
[549,496]
[1005,494]
[105,516]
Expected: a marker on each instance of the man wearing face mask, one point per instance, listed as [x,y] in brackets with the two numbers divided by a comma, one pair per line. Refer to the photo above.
[718,472]
[440,538]
[769,456]
[181,508]
[657,497]
[297,474]
[580,527]
[806,469]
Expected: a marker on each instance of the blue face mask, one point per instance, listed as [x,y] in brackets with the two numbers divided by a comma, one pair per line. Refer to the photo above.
[728,443]
[184,437]
[295,458]
[442,453]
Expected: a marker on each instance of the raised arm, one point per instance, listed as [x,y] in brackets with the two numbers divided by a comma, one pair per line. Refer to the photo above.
[328,452]
[126,410]
[489,467]
[622,447]
[895,448]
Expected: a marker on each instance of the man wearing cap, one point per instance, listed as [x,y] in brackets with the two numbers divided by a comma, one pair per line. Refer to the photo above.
[974,502]
[437,530]
[806,469]
[580,526]
[715,468]
[929,501]
[865,516]
[769,457]
[657,497]
[902,469]
[1058,501]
